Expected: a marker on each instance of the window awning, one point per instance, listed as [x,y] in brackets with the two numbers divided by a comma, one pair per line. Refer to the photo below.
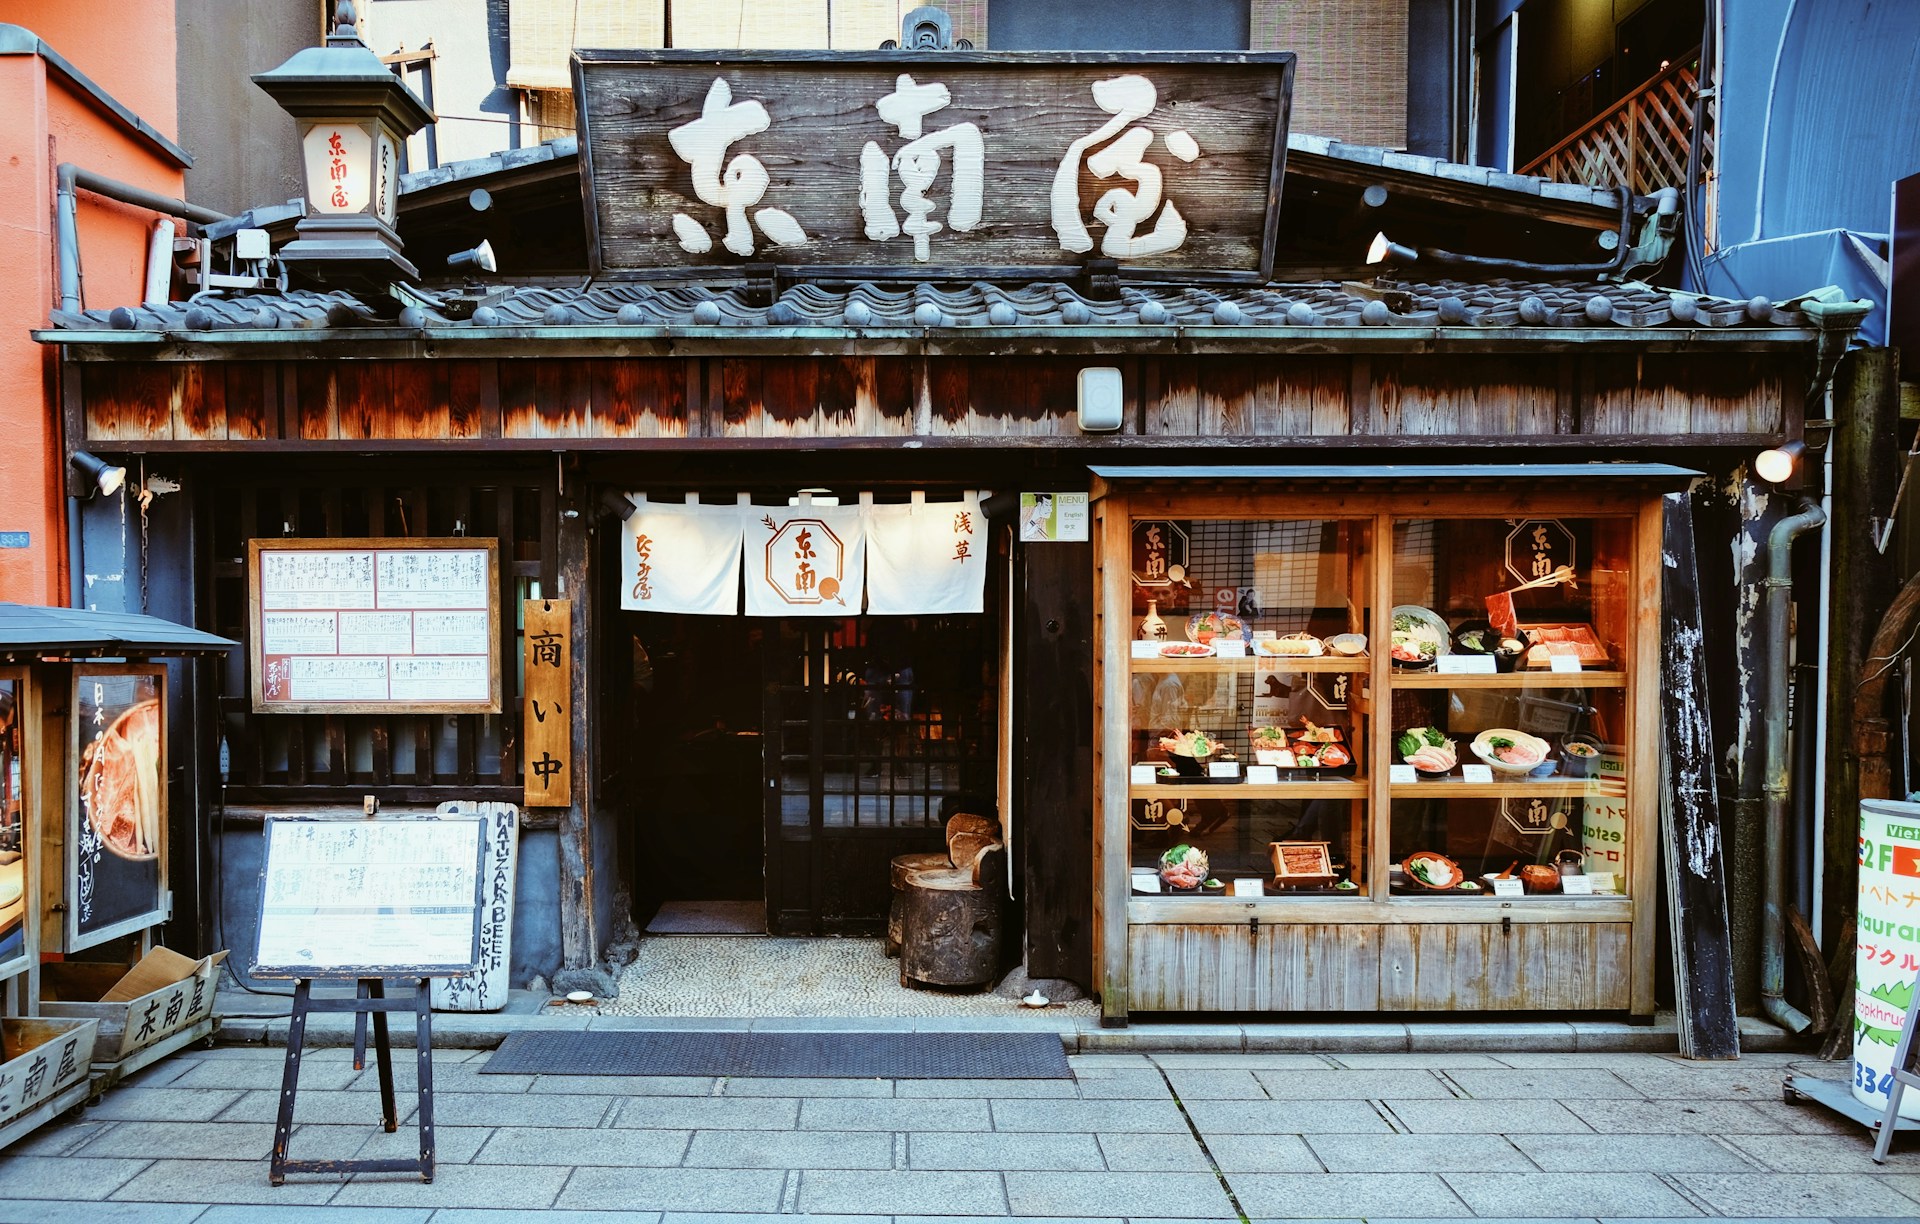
[31,632]
[1645,473]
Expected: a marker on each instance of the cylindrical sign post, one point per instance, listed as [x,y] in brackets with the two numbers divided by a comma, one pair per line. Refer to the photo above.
[1888,957]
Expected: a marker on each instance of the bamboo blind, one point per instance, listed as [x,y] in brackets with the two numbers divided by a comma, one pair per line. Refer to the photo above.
[541,35]
[1351,82]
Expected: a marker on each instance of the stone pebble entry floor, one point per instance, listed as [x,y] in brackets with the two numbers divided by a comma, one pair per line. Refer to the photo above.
[1189,1137]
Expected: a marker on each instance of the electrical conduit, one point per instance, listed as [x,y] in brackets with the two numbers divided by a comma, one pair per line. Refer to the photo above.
[1773,919]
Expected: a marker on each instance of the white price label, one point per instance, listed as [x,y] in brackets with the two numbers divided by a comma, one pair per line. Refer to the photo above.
[1223,769]
[1476,773]
[1146,649]
[1563,663]
[1577,886]
[1466,665]
[1249,888]
[1146,883]
[1509,887]
[1230,648]
[1396,774]
[1142,775]
[1263,775]
[1604,881]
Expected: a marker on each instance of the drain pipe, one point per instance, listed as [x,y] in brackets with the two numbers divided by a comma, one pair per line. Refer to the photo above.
[1773,922]
[69,180]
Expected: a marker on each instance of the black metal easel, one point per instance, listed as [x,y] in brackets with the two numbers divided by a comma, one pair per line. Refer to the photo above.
[370,998]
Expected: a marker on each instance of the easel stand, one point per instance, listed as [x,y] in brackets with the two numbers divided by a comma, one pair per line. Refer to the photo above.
[369,999]
[1838,1096]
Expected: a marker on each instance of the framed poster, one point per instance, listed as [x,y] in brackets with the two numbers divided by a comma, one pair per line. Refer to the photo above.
[353,897]
[15,953]
[117,806]
[359,626]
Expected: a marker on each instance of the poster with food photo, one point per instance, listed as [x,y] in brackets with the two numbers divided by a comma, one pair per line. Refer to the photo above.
[14,955]
[116,854]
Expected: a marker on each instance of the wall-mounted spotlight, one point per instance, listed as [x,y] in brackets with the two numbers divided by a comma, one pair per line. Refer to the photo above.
[106,478]
[1776,465]
[616,503]
[1386,250]
[479,259]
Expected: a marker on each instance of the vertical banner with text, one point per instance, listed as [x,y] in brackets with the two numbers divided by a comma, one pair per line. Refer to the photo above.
[546,725]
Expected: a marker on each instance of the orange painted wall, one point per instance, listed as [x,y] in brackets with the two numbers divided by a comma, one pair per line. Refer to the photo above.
[128,50]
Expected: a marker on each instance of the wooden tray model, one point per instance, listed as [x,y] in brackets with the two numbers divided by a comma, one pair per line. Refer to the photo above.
[1301,864]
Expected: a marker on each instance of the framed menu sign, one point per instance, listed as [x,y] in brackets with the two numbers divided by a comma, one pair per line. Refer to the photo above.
[374,626]
[116,851]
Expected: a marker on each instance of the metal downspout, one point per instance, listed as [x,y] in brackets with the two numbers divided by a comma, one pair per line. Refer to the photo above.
[71,179]
[1773,921]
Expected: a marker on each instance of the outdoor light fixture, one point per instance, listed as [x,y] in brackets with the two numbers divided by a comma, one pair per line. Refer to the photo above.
[1103,399]
[1777,464]
[1386,250]
[106,478]
[616,503]
[354,116]
[479,259]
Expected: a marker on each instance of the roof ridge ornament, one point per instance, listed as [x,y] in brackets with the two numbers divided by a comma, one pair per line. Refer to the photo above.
[927,28]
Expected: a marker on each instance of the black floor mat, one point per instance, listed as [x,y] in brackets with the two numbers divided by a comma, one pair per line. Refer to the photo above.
[852,1055]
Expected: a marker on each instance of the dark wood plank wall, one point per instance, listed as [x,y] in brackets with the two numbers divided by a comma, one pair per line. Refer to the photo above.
[711,401]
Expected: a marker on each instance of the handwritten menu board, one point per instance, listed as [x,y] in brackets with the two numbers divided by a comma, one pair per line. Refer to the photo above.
[353,897]
[374,626]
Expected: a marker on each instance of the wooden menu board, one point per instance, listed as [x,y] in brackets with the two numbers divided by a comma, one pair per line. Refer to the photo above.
[354,626]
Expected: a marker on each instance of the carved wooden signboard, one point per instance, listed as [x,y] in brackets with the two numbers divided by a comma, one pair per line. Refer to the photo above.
[374,626]
[915,163]
[547,719]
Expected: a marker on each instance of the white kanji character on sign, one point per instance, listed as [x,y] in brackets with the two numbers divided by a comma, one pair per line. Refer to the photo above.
[918,163]
[1121,210]
[702,144]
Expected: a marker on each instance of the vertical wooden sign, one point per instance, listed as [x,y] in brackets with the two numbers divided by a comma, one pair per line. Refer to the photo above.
[546,723]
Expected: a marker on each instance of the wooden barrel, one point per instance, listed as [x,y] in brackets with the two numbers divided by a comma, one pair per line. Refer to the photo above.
[951,928]
[901,867]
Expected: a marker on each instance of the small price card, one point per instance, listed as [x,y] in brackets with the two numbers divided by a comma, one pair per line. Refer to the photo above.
[1604,881]
[1249,888]
[1146,883]
[1563,663]
[1509,887]
[1223,769]
[1230,648]
[1577,886]
[1142,775]
[1145,649]
[1476,773]
[1396,774]
[1263,775]
[1466,665]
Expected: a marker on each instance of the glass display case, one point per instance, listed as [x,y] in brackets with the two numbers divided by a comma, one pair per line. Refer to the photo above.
[1396,743]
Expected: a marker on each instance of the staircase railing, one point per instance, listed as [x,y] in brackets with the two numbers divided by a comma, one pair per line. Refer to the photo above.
[1641,142]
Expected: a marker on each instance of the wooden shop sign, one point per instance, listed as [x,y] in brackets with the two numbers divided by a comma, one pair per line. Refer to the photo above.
[546,726]
[950,162]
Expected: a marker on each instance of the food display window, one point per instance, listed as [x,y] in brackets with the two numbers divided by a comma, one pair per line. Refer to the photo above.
[1378,751]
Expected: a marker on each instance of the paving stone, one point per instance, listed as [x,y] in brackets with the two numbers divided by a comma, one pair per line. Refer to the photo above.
[1131,1194]
[625,1085]
[1153,1154]
[719,1149]
[487,1215]
[57,1138]
[1546,1194]
[519,1109]
[1673,1117]
[1811,1194]
[853,1115]
[1631,1154]
[1286,1117]
[1415,1153]
[330,1108]
[1245,1062]
[904,1192]
[1128,1084]
[521,1187]
[64,1177]
[451,1144]
[539,1145]
[775,1086]
[46,1211]
[163,1104]
[1438,1061]
[1543,1084]
[1704,1081]
[251,1075]
[998,1150]
[1802,1119]
[454,1077]
[1215,1084]
[1344,1085]
[165,1140]
[1825,1153]
[751,1217]
[1158,1117]
[259,1213]
[1588,1059]
[1345,1195]
[709,1113]
[677,1190]
[1007,1089]
[221,1181]
[1266,1154]
[1487,1117]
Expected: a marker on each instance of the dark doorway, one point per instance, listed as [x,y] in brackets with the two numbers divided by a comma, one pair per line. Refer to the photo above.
[876,727]
[694,760]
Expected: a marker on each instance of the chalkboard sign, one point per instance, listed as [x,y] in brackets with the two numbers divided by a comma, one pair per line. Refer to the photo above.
[354,897]
[374,626]
[116,836]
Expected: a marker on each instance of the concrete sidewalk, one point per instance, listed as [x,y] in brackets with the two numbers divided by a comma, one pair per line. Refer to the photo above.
[1193,1137]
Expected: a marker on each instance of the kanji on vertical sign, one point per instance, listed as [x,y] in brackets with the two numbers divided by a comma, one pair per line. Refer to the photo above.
[546,722]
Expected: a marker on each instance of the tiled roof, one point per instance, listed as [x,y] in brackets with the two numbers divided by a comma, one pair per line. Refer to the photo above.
[1459,172]
[1386,302]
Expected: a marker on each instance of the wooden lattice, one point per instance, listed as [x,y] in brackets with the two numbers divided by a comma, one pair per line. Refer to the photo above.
[1640,143]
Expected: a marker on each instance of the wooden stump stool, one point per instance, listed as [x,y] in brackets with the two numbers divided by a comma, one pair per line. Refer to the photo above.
[903,866]
[952,926]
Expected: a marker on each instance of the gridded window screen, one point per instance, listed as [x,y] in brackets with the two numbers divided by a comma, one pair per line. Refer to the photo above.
[1351,81]
[541,35]
[836,25]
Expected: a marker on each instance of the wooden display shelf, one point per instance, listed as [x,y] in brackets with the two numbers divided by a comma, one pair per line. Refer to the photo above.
[1342,788]
[1454,788]
[1321,663]
[1510,680]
